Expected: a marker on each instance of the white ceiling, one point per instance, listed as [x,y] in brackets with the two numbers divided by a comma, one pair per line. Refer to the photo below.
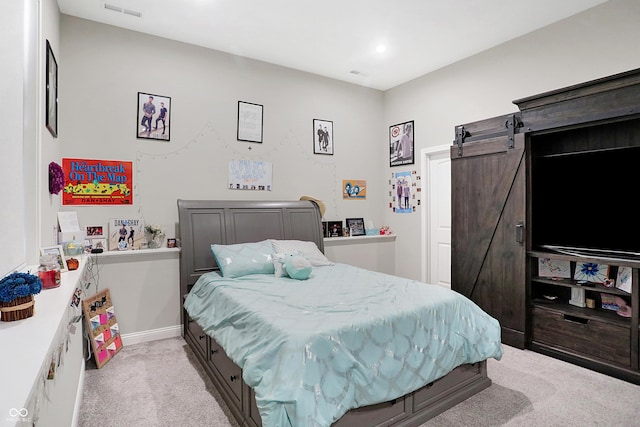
[337,38]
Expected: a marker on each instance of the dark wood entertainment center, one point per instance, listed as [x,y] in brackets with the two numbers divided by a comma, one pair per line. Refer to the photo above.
[505,217]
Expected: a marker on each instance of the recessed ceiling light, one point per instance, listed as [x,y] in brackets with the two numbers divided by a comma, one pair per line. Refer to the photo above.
[381,48]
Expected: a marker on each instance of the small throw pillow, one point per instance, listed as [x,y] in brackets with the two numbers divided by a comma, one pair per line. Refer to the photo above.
[297,266]
[244,258]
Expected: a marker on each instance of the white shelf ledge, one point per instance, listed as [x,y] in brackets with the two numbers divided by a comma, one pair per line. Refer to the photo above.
[133,252]
[355,240]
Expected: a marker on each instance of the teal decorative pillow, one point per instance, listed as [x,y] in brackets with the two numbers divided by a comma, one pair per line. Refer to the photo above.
[244,258]
[297,266]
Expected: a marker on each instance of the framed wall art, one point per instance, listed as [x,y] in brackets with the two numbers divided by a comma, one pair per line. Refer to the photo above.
[322,137]
[154,117]
[250,122]
[401,149]
[52,92]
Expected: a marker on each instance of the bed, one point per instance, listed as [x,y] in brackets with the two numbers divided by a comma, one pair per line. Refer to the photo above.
[328,350]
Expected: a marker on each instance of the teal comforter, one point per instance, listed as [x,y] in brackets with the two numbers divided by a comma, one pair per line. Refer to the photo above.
[344,338]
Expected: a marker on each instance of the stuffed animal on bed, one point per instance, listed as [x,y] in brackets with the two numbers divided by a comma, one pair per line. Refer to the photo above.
[295,266]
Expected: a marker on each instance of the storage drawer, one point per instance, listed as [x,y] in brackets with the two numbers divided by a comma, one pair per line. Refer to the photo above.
[390,413]
[198,335]
[440,388]
[230,372]
[587,335]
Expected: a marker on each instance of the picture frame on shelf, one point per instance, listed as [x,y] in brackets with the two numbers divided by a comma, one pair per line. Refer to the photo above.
[95,231]
[355,226]
[99,243]
[153,111]
[591,272]
[322,137]
[555,268]
[334,229]
[51,120]
[401,144]
[58,252]
[250,125]
[171,243]
[623,281]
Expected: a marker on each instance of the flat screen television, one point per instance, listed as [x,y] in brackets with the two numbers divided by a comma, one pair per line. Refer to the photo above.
[585,201]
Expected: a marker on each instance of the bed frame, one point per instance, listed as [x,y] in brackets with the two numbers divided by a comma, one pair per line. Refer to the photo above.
[203,222]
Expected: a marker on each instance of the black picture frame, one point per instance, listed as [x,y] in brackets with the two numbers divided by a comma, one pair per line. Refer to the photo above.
[250,122]
[323,137]
[51,113]
[148,119]
[401,141]
[335,229]
[356,226]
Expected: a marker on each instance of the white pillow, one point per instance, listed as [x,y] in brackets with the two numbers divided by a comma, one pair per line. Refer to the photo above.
[308,249]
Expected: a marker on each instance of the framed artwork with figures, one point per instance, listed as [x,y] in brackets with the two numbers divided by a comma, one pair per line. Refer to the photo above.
[322,137]
[401,142]
[52,92]
[154,117]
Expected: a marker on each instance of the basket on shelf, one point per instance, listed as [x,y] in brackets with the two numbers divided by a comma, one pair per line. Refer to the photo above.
[18,309]
[16,296]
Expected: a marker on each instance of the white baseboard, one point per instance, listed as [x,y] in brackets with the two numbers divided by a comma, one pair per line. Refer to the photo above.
[76,406]
[151,335]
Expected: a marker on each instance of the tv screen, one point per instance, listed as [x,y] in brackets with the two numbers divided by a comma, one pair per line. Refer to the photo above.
[584,200]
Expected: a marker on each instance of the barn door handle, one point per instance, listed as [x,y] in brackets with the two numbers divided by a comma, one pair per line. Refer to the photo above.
[520,232]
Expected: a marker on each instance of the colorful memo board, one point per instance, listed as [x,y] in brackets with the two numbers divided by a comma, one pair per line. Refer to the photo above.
[103,327]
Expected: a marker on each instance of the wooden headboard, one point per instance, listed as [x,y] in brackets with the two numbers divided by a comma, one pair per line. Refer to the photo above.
[226,222]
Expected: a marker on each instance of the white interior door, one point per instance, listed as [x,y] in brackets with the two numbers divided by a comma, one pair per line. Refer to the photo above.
[437,218]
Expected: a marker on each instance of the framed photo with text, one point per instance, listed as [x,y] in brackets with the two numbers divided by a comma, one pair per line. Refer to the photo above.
[154,117]
[250,122]
[401,149]
[356,226]
[322,137]
[52,92]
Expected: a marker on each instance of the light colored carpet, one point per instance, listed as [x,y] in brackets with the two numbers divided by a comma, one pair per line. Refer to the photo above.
[160,383]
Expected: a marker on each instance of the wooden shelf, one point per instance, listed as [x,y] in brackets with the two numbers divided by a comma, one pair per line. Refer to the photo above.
[591,287]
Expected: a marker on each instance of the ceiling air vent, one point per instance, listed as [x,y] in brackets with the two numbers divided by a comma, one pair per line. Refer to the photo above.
[112,7]
[121,10]
[132,13]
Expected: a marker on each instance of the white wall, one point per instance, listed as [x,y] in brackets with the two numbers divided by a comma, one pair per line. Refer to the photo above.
[49,148]
[597,43]
[104,69]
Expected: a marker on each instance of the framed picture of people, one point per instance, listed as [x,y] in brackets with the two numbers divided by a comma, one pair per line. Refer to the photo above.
[154,117]
[401,144]
[52,92]
[322,137]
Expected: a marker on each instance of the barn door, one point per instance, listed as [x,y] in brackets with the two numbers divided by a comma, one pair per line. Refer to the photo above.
[488,253]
